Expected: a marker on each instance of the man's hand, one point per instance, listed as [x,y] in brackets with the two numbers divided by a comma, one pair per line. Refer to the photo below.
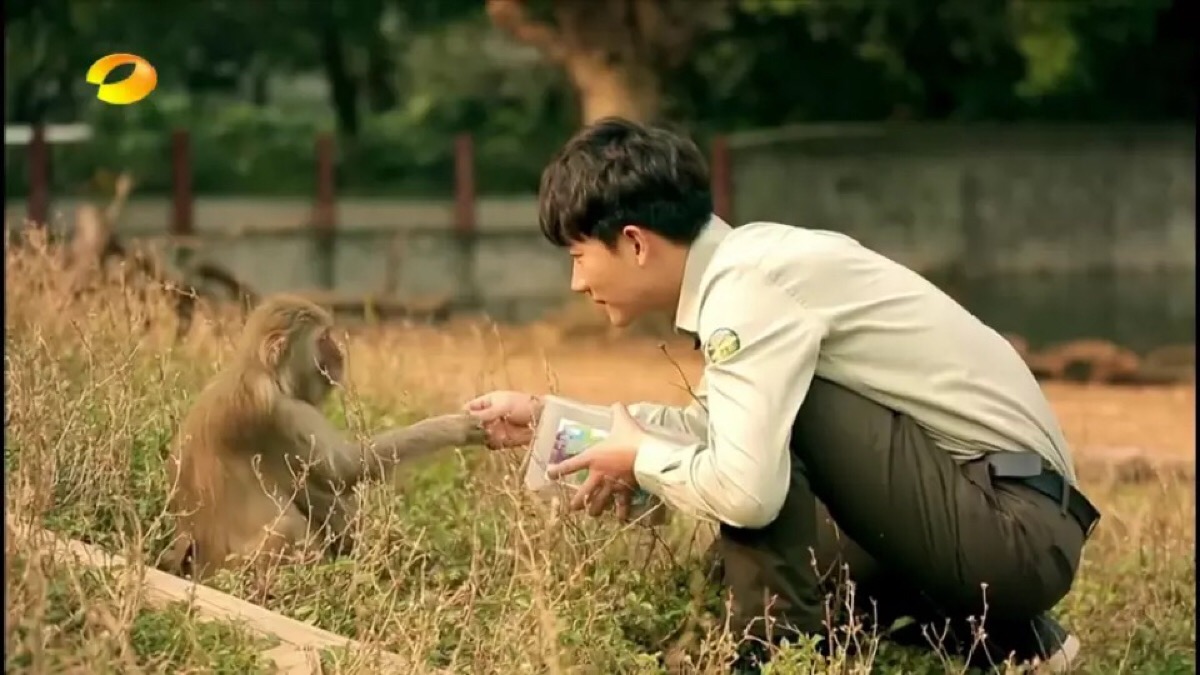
[507,416]
[610,467]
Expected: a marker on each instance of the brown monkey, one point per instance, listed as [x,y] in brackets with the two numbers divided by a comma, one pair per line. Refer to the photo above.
[257,468]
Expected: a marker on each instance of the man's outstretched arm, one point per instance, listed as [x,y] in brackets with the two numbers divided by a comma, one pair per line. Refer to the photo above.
[690,420]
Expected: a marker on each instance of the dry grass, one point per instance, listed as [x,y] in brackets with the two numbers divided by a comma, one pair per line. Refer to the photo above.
[460,569]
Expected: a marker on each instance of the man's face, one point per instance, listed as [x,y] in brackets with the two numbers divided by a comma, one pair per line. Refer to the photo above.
[617,279]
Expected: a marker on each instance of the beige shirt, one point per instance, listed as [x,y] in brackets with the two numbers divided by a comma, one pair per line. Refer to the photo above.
[807,302]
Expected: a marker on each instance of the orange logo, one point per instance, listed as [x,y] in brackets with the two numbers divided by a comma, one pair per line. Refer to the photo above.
[132,89]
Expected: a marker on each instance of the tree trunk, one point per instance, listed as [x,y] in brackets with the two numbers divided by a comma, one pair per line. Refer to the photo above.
[260,84]
[381,95]
[27,104]
[621,89]
[342,87]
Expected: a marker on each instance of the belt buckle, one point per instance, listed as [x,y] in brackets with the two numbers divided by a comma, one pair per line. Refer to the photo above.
[1012,464]
[1090,510]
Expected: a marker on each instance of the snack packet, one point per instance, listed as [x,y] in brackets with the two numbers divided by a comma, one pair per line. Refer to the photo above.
[565,429]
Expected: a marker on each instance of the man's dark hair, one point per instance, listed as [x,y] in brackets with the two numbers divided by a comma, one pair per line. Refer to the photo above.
[615,173]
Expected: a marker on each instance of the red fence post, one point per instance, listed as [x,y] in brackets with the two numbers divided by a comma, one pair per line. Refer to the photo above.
[325,211]
[464,219]
[326,207]
[721,168]
[39,177]
[181,184]
[464,184]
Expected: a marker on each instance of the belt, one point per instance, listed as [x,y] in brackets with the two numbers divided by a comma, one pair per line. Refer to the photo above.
[1028,469]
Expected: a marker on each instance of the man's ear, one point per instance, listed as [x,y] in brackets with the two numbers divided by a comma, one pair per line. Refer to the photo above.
[638,241]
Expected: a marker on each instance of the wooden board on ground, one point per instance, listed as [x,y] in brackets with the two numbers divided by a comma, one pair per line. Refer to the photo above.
[300,643]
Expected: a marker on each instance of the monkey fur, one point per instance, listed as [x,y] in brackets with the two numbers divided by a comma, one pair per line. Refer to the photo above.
[257,470]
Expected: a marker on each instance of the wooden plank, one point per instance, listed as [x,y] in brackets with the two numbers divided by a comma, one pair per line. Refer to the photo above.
[22,134]
[300,642]
[289,660]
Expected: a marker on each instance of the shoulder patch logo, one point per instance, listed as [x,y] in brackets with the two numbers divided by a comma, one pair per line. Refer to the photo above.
[722,344]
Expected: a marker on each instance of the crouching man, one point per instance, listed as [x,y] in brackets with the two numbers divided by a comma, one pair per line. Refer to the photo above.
[849,411]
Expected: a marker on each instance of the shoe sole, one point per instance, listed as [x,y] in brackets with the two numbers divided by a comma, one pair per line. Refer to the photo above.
[1062,660]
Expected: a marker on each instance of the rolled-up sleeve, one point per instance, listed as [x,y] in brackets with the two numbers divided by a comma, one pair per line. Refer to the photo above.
[739,471]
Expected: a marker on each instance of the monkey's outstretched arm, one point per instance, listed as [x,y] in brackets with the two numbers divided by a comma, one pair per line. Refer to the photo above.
[404,444]
[349,461]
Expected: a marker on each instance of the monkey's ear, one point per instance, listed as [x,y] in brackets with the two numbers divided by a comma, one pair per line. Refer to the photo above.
[272,349]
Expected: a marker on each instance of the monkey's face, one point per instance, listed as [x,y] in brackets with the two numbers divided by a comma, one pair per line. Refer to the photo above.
[292,339]
[315,363]
[330,360]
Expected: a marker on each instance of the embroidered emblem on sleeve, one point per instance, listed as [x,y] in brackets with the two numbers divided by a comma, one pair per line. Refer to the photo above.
[722,344]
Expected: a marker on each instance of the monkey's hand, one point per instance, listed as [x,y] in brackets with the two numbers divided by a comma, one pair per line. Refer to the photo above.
[430,435]
[469,429]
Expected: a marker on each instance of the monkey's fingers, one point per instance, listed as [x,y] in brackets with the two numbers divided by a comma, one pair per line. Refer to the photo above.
[500,435]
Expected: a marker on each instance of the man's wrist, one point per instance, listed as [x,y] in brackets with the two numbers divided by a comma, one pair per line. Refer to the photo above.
[653,455]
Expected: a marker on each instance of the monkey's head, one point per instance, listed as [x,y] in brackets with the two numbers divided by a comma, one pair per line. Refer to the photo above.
[291,338]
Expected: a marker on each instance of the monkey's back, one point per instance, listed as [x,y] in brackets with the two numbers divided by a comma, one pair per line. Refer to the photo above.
[225,472]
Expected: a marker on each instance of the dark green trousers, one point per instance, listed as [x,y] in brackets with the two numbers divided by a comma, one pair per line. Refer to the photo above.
[919,534]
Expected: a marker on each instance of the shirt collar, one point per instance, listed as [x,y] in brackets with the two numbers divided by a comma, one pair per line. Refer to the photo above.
[700,254]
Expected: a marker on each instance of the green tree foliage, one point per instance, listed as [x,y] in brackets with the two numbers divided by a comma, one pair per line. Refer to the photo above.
[812,60]
[398,80]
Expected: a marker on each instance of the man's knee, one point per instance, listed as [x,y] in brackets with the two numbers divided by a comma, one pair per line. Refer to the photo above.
[771,571]
[768,581]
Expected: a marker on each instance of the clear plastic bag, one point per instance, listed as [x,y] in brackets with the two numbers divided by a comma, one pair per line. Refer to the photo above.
[567,428]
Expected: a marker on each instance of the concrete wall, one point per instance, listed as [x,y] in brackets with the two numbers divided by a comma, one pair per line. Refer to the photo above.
[406,247]
[993,205]
[982,199]
[514,276]
[151,215]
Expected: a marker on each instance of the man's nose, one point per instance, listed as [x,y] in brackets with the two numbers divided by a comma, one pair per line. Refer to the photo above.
[578,284]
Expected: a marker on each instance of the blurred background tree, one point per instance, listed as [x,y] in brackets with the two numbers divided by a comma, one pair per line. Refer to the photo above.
[255,80]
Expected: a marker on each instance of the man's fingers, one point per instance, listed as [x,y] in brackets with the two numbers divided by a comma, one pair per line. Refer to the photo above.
[478,403]
[623,505]
[620,412]
[600,499]
[623,420]
[584,494]
[569,466]
[486,412]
